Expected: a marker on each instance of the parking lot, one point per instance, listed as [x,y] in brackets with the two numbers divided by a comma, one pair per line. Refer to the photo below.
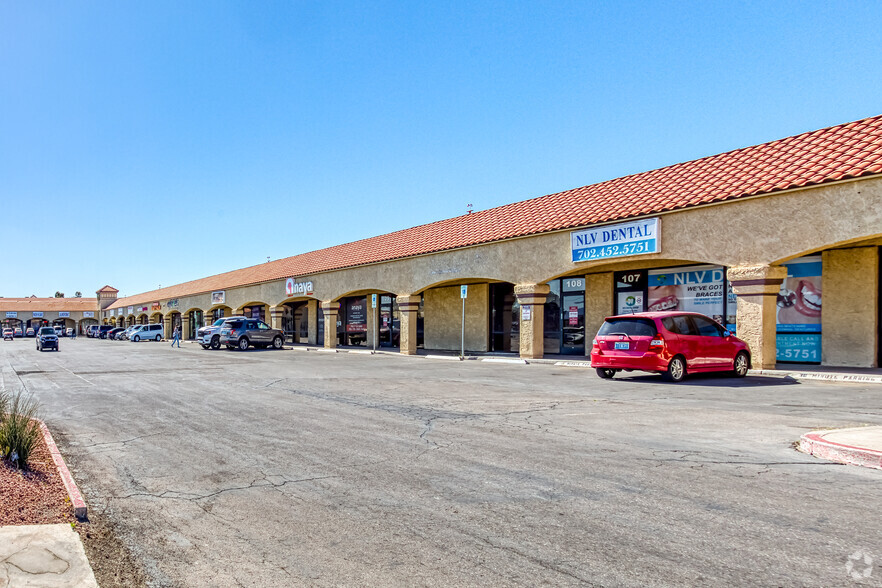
[285,468]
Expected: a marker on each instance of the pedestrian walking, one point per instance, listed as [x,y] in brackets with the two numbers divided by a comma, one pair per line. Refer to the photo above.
[177,336]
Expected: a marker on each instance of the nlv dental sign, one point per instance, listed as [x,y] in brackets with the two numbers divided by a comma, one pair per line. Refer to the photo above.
[619,240]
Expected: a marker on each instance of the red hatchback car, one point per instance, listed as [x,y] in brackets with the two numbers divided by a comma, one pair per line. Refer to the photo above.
[670,343]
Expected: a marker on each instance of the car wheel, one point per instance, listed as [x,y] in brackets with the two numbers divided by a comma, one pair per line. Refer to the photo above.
[243,344]
[158,338]
[215,342]
[606,373]
[741,365]
[277,343]
[136,338]
[676,370]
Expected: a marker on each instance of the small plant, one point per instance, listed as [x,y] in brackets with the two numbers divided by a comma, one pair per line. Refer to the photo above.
[19,432]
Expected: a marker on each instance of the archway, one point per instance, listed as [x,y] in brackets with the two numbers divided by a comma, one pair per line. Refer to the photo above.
[297,319]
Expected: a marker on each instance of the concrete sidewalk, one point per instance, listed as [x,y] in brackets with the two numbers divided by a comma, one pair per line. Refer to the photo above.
[856,446]
[48,556]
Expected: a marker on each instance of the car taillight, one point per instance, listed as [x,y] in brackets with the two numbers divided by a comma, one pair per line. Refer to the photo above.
[657,344]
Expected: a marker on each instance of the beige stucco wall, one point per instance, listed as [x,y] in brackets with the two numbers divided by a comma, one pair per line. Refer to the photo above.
[850,318]
[443,318]
[599,304]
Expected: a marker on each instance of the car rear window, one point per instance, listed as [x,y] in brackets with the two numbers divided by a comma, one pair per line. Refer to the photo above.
[632,327]
[234,324]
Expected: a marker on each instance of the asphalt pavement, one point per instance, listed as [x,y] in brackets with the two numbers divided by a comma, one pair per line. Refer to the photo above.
[287,468]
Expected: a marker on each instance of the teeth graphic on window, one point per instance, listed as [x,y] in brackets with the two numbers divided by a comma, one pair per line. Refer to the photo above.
[811,299]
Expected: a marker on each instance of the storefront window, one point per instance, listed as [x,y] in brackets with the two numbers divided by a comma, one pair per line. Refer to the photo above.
[354,329]
[255,312]
[798,318]
[565,317]
[573,316]
[552,319]
[504,319]
[390,322]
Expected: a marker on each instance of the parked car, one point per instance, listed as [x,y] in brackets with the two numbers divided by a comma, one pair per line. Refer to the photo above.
[59,330]
[92,331]
[17,332]
[30,332]
[151,332]
[113,334]
[241,332]
[68,332]
[7,334]
[103,330]
[47,338]
[125,334]
[671,343]
[209,335]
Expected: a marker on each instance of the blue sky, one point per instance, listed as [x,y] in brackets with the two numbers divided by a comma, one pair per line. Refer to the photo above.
[148,143]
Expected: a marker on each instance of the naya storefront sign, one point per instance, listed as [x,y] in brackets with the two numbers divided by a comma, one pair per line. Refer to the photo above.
[293,288]
[619,240]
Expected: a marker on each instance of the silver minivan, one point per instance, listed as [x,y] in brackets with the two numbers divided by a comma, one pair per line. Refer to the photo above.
[152,332]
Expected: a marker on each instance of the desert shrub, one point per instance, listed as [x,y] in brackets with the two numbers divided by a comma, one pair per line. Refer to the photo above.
[19,431]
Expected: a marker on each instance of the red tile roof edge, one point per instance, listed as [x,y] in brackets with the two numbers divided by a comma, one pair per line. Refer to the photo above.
[797,161]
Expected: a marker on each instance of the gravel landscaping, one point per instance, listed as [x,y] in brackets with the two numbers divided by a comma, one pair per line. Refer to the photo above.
[35,496]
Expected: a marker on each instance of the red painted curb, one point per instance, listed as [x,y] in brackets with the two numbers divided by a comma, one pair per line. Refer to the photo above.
[815,444]
[75,497]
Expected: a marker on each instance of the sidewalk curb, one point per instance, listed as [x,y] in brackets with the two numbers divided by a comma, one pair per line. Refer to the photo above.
[821,376]
[814,444]
[75,497]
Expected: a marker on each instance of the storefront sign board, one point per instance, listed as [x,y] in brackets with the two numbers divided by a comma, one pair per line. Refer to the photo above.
[219,297]
[64,314]
[293,288]
[38,314]
[619,240]
[11,314]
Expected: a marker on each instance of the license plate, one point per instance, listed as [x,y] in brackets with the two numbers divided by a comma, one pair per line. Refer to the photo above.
[622,345]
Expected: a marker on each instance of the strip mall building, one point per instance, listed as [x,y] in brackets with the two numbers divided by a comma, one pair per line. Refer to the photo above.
[752,237]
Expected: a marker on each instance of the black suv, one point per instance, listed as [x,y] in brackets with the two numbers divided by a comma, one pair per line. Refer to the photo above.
[47,338]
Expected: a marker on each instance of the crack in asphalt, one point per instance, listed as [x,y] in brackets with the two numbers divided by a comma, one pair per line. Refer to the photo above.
[175,495]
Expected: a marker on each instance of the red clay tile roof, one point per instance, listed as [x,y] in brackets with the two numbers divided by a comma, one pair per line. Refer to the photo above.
[47,304]
[849,150]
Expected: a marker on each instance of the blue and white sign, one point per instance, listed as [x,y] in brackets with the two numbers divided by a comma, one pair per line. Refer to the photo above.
[798,347]
[64,314]
[89,314]
[11,314]
[620,240]
[38,314]
[464,291]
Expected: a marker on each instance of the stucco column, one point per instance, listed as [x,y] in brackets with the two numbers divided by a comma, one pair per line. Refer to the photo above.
[168,326]
[312,322]
[850,319]
[408,313]
[330,309]
[757,289]
[599,304]
[185,326]
[531,298]
[275,316]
